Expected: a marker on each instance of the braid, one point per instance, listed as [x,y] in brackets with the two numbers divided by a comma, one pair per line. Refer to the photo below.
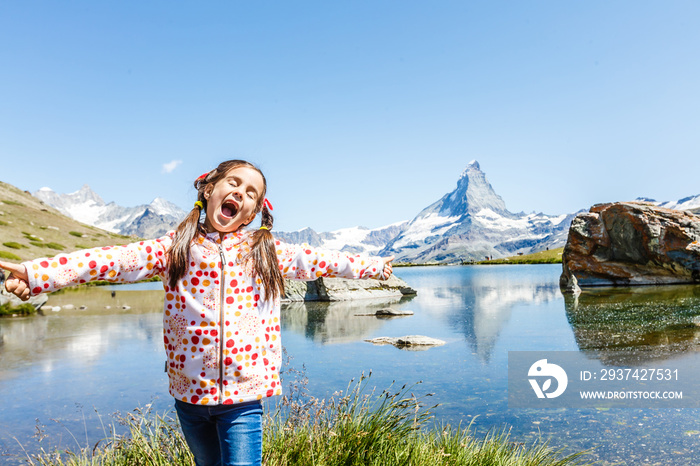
[179,252]
[263,253]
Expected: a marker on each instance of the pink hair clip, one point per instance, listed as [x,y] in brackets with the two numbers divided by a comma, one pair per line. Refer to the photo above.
[267,203]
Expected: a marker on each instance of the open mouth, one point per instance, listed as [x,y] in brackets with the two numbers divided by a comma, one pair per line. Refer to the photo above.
[229,209]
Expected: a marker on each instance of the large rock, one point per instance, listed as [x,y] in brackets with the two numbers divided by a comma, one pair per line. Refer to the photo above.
[631,243]
[340,289]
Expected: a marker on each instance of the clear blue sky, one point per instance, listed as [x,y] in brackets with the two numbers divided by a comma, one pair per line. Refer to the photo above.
[358,112]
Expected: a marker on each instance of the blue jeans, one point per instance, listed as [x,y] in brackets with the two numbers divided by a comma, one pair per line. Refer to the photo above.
[223,435]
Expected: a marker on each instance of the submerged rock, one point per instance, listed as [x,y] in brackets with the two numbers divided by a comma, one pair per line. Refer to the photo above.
[631,243]
[409,342]
[388,312]
[341,289]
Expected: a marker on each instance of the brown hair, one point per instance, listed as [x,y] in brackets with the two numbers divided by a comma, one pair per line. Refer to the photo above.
[263,253]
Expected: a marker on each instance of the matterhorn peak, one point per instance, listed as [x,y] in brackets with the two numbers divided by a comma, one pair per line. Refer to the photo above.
[472,167]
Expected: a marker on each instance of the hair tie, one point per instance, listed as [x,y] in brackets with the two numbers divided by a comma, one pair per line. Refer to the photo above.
[264,228]
[267,203]
[199,204]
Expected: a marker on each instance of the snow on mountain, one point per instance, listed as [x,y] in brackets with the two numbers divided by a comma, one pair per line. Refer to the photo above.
[690,203]
[86,206]
[472,222]
[687,203]
[353,240]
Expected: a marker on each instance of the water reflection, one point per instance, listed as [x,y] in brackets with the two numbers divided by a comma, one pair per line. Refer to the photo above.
[335,322]
[631,326]
[79,335]
[479,305]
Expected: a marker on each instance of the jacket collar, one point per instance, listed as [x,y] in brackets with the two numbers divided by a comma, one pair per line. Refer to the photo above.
[229,240]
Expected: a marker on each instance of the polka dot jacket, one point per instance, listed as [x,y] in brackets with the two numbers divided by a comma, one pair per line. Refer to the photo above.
[222,339]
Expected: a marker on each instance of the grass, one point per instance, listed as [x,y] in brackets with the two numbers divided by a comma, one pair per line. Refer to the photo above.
[360,427]
[552,256]
[10,256]
[46,230]
[23,310]
[13,245]
[152,440]
[14,203]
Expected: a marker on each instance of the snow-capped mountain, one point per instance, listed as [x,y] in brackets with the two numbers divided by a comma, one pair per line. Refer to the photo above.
[469,223]
[354,240]
[691,203]
[472,222]
[84,205]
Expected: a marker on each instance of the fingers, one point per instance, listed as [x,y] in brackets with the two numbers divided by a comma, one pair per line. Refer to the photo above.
[18,270]
[388,269]
[18,281]
[19,288]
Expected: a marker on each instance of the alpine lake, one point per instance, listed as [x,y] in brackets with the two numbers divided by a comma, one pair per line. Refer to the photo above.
[65,376]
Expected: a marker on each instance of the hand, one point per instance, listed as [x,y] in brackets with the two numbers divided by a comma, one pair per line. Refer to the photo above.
[388,269]
[18,281]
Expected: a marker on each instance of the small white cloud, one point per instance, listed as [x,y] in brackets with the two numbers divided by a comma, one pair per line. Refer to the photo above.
[170,166]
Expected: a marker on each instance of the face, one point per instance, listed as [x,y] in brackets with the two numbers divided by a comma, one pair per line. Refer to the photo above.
[232,201]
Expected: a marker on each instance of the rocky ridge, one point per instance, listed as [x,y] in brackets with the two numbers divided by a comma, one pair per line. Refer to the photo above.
[144,221]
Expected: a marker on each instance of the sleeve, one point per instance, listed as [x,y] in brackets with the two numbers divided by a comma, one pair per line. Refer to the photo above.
[302,262]
[119,264]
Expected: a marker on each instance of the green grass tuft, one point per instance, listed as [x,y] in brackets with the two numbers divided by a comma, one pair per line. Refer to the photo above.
[392,427]
[14,245]
[10,256]
[23,310]
[76,234]
[9,202]
[56,246]
[4,223]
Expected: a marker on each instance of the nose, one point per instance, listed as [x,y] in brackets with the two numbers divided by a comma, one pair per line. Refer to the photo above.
[237,194]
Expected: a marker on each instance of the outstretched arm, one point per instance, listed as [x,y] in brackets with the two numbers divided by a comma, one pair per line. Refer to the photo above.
[18,281]
[120,264]
[302,262]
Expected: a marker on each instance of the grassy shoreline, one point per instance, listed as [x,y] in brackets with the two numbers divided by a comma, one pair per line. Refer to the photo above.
[360,427]
[552,256]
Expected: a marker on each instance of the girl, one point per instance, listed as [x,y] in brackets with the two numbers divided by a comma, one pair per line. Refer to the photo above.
[221,319]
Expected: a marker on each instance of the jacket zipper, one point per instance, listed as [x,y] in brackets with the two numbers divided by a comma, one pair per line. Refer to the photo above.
[221,326]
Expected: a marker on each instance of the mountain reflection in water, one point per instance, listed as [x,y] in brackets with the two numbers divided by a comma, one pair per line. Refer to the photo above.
[479,303]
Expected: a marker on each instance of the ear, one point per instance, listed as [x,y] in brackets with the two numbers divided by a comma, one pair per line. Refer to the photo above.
[250,219]
[207,191]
